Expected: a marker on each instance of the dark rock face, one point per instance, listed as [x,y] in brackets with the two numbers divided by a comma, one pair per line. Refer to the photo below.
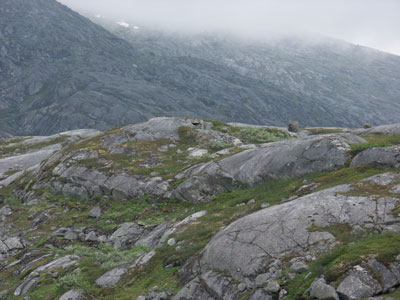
[385,157]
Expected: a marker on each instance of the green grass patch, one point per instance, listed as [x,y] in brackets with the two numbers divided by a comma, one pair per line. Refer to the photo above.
[250,135]
[375,140]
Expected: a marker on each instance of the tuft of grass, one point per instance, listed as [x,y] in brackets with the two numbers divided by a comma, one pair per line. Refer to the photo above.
[316,131]
[375,140]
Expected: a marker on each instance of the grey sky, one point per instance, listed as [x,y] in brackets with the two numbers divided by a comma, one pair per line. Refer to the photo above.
[374,23]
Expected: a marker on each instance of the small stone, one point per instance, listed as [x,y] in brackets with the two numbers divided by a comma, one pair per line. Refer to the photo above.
[251,201]
[32,202]
[272,287]
[91,237]
[141,298]
[171,242]
[262,279]
[289,275]
[299,267]
[242,287]
[320,290]
[95,212]
[70,235]
[265,205]
[154,174]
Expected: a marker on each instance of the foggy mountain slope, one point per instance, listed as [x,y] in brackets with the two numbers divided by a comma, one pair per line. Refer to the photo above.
[59,71]
[328,72]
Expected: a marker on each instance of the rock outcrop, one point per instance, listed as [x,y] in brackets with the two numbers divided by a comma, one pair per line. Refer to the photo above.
[384,157]
[289,158]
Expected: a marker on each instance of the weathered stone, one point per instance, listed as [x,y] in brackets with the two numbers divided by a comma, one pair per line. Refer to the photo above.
[272,287]
[383,157]
[126,235]
[95,212]
[353,288]
[262,279]
[70,235]
[320,290]
[299,267]
[91,237]
[72,295]
[359,284]
[387,278]
[242,287]
[171,242]
[111,278]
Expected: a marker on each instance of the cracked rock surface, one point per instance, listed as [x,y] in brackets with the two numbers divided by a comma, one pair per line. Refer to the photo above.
[249,245]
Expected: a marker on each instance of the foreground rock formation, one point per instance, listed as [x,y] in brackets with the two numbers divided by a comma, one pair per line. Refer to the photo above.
[136,213]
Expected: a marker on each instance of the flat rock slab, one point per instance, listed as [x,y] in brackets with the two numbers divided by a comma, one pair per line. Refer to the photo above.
[249,245]
[385,129]
[28,160]
[111,278]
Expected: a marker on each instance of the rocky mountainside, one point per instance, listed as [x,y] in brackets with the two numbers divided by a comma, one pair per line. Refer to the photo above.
[59,71]
[179,209]
[324,72]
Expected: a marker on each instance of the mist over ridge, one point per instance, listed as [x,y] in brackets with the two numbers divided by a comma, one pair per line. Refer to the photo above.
[366,22]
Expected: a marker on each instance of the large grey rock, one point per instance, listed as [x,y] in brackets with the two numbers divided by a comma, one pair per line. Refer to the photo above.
[72,295]
[11,243]
[320,290]
[388,279]
[126,235]
[251,244]
[83,183]
[111,278]
[290,158]
[353,287]
[381,157]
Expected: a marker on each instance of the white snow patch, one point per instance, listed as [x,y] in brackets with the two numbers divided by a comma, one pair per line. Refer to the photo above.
[123,24]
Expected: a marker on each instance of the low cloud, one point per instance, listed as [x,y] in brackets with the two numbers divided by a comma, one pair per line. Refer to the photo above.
[373,23]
